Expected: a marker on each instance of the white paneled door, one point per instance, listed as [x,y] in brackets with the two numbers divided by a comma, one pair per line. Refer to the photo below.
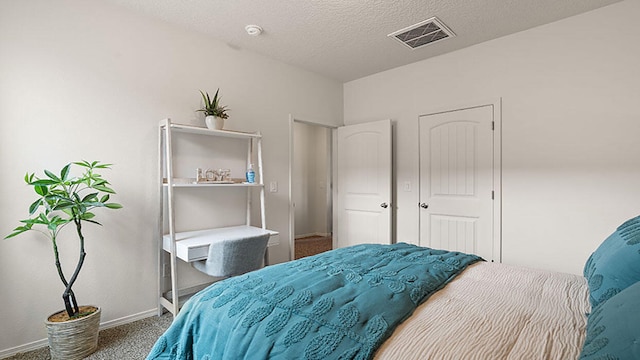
[456,181]
[364,184]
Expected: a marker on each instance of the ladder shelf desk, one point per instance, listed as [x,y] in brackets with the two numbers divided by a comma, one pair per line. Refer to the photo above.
[190,246]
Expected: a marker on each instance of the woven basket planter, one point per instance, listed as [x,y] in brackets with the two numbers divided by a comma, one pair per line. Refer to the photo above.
[74,339]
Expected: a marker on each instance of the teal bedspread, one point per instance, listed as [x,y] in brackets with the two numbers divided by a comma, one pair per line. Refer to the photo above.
[341,304]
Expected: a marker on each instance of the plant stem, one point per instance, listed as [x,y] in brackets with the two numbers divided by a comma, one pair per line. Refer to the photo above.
[68,294]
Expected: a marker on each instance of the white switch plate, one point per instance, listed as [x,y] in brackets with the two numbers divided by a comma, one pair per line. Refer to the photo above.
[273,186]
[407,186]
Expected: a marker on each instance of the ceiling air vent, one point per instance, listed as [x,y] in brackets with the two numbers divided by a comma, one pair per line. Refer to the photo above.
[423,33]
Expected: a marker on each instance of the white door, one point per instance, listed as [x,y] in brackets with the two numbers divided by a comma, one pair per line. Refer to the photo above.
[456,181]
[364,184]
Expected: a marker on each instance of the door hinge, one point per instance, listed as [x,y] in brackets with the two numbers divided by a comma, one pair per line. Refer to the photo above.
[493,194]
[493,125]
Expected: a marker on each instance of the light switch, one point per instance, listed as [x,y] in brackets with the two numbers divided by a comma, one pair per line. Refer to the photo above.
[407,186]
[273,186]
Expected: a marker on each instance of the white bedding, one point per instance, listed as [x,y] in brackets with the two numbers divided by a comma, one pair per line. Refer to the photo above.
[496,311]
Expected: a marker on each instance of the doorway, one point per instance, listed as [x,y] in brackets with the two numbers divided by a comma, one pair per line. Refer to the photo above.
[311,188]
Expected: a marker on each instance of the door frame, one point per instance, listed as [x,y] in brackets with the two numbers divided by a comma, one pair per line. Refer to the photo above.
[292,215]
[496,105]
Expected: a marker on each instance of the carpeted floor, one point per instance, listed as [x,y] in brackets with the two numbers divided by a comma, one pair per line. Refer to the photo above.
[312,245]
[126,342]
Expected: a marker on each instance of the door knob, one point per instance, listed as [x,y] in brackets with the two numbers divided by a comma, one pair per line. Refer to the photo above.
[424,206]
[384,205]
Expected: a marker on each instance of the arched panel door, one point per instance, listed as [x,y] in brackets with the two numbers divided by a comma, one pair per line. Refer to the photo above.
[364,201]
[456,181]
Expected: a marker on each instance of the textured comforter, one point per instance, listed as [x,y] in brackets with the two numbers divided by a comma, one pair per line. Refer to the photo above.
[341,304]
[495,311]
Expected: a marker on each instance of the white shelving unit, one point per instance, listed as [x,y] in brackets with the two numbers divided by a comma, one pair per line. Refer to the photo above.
[192,246]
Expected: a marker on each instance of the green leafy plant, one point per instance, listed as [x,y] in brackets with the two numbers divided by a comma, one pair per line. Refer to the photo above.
[63,200]
[212,106]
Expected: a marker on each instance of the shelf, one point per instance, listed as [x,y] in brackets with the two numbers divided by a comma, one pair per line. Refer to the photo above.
[191,182]
[215,185]
[194,245]
[183,295]
[205,131]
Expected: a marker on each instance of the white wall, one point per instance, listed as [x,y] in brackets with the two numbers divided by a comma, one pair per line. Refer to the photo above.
[310,179]
[300,178]
[321,189]
[571,123]
[87,80]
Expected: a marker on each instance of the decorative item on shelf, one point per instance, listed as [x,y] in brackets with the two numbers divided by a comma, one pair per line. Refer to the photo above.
[214,112]
[251,175]
[62,199]
[224,174]
[210,176]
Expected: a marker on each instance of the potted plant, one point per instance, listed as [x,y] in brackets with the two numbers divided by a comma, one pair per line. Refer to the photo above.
[213,111]
[64,200]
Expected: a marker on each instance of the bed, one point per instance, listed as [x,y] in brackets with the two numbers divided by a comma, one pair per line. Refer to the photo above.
[402,301]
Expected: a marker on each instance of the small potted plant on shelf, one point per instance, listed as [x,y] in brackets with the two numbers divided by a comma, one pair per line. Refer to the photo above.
[213,111]
[63,200]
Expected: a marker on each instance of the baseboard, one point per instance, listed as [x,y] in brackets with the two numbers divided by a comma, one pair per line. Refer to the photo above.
[128,319]
[24,348]
[35,345]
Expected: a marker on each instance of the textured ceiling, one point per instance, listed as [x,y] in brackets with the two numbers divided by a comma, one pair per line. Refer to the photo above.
[347,39]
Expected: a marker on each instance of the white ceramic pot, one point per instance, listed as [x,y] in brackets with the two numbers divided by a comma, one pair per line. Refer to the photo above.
[219,123]
[210,121]
[214,122]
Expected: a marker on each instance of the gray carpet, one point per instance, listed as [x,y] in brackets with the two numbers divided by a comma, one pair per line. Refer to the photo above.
[126,342]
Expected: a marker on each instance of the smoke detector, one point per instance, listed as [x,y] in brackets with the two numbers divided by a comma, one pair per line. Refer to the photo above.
[423,33]
[253,30]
